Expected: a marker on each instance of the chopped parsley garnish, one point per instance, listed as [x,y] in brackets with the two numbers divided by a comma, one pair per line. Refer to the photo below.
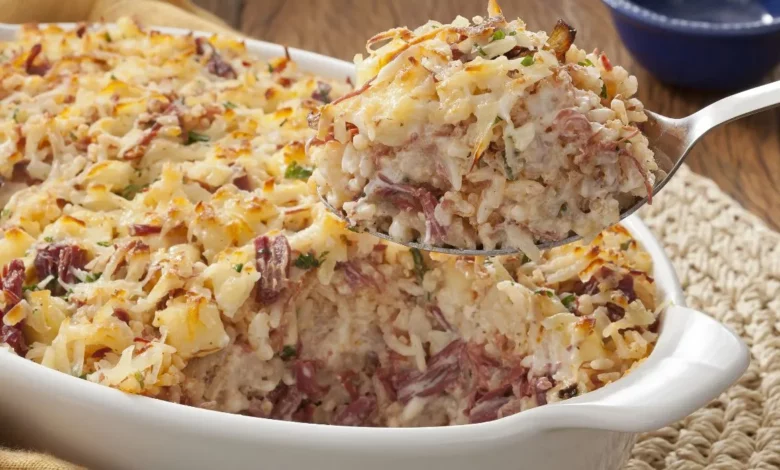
[108,37]
[309,261]
[481,51]
[193,137]
[585,63]
[113,77]
[352,228]
[419,263]
[48,239]
[568,301]
[603,90]
[625,245]
[239,267]
[30,288]
[131,190]
[288,352]
[270,68]
[498,34]
[16,115]
[546,292]
[104,243]
[527,60]
[229,105]
[92,277]
[67,295]
[140,378]
[513,33]
[297,172]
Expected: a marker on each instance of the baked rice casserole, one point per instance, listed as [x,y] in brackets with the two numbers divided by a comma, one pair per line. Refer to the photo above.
[160,236]
[483,135]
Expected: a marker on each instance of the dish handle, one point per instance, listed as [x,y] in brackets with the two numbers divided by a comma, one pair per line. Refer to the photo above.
[694,361]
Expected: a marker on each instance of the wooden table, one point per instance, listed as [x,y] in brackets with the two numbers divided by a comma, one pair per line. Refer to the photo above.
[742,157]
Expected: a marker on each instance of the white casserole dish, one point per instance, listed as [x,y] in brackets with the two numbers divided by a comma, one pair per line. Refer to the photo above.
[696,358]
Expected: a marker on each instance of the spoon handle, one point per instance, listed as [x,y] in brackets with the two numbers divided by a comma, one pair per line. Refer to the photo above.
[734,107]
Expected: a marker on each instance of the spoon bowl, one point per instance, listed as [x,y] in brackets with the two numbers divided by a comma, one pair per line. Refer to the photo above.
[671,140]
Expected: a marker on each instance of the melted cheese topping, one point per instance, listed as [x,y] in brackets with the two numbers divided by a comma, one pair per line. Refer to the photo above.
[131,148]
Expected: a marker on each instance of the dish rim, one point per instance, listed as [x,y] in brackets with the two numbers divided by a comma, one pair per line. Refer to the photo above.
[584,411]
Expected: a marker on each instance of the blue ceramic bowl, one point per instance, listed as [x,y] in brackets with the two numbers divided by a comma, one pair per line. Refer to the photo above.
[706,44]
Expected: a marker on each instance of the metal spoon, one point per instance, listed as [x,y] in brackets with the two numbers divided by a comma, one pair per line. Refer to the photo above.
[670,139]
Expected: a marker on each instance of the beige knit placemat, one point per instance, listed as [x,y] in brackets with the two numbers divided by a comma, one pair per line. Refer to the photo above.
[728,262]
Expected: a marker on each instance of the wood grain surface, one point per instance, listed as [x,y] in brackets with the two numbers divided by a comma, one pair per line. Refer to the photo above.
[742,157]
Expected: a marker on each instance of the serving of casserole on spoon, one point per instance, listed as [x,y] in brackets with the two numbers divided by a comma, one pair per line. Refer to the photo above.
[485,138]
[483,135]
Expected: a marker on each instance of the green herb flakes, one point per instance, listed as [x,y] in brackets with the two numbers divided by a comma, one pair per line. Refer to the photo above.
[585,63]
[48,239]
[625,245]
[229,105]
[104,244]
[546,292]
[297,172]
[288,352]
[193,137]
[140,378]
[309,261]
[92,277]
[568,301]
[603,91]
[238,267]
[498,34]
[419,264]
[130,191]
[481,51]
[527,60]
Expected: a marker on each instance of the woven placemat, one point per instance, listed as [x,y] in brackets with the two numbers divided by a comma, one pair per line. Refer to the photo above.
[728,262]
